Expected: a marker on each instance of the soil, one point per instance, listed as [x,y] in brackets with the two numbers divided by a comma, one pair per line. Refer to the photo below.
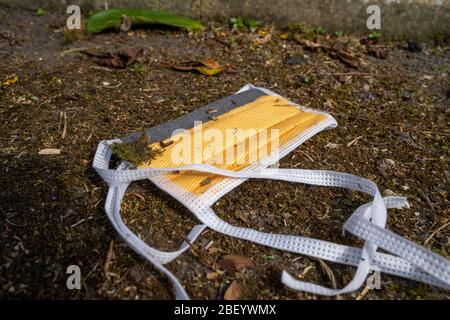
[395,110]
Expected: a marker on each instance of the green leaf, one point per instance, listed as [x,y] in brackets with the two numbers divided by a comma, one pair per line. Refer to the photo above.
[252,24]
[321,30]
[112,18]
[40,12]
[306,79]
[236,23]
[374,35]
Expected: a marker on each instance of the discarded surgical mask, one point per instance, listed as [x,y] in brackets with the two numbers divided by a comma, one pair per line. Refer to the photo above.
[212,150]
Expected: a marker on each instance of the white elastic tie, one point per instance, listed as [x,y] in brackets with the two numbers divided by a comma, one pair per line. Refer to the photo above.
[367,256]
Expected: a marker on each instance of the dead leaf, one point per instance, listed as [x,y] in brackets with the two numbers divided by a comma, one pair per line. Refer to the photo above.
[330,275]
[10,81]
[344,56]
[263,31]
[209,71]
[377,51]
[262,40]
[49,151]
[234,291]
[284,36]
[210,63]
[349,59]
[309,44]
[354,63]
[121,58]
[238,262]
[207,66]
[125,26]
[124,57]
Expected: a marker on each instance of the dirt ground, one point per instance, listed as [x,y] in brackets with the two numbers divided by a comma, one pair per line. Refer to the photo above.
[393,117]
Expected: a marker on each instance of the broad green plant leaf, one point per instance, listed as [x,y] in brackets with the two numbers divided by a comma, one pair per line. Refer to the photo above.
[112,18]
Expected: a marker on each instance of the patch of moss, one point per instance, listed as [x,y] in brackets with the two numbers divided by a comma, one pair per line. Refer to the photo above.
[139,69]
[135,152]
[40,12]
[71,36]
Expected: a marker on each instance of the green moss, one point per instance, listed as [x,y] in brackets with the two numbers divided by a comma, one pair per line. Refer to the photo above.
[139,69]
[71,36]
[40,12]
[135,152]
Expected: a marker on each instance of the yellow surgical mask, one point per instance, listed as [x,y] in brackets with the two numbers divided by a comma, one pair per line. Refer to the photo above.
[207,153]
[242,136]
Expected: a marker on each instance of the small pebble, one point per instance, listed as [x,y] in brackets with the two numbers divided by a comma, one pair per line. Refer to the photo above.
[414,47]
[292,60]
[331,145]
[406,95]
[390,161]
[212,275]
[417,213]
